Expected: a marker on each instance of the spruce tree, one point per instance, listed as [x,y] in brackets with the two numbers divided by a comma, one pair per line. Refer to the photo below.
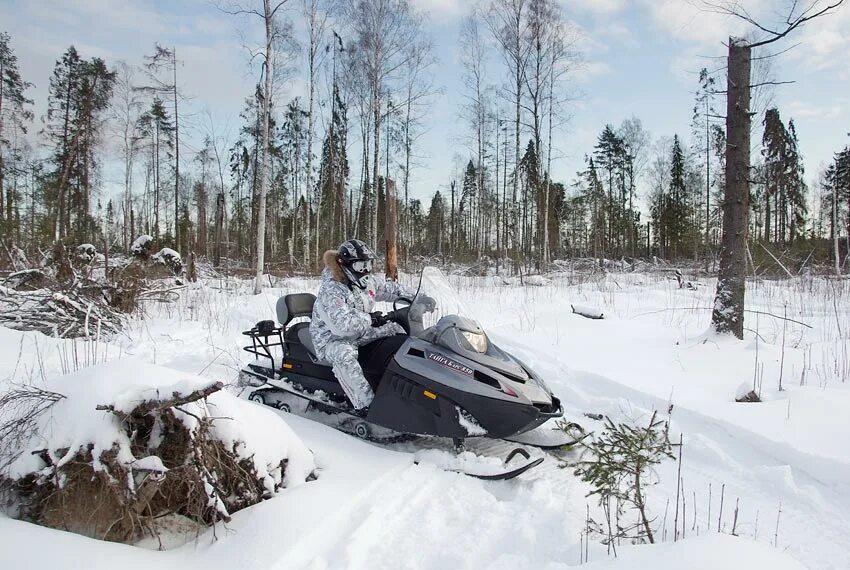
[435,234]
[333,175]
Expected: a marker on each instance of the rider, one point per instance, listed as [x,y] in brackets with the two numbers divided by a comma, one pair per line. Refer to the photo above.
[343,319]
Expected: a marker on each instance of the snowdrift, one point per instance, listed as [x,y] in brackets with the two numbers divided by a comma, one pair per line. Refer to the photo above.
[119,445]
[707,552]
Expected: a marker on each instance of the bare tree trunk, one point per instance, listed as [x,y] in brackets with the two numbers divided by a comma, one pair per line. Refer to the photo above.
[176,156]
[546,192]
[835,231]
[2,166]
[376,149]
[315,25]
[267,99]
[220,207]
[392,256]
[728,314]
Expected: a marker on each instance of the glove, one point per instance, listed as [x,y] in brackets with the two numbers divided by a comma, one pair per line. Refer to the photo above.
[378,319]
[429,304]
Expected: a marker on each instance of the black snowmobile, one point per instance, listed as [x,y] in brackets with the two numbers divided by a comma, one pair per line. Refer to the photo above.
[443,378]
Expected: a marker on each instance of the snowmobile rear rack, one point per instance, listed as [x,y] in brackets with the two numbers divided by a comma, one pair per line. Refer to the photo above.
[260,345]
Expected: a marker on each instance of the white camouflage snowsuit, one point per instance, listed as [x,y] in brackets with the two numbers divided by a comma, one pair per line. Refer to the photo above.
[341,324]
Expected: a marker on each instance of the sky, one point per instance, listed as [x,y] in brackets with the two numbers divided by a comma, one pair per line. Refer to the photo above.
[639,58]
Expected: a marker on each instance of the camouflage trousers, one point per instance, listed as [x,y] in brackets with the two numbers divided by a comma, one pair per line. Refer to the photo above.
[342,355]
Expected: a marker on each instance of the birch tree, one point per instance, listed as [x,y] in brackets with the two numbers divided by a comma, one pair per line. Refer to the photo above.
[268,12]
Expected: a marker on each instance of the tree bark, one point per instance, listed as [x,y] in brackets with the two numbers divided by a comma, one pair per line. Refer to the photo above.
[392,255]
[267,98]
[728,313]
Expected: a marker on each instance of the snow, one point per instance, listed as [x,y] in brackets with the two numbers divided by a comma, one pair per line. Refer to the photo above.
[167,252]
[374,507]
[140,243]
[708,552]
[74,422]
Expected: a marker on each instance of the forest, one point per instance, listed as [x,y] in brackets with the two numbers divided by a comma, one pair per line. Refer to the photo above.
[339,161]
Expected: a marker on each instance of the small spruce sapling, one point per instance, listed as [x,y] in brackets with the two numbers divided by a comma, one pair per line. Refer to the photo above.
[620,469]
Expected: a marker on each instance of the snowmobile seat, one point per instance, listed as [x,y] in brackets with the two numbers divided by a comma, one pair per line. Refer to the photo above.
[290,307]
[299,334]
[305,339]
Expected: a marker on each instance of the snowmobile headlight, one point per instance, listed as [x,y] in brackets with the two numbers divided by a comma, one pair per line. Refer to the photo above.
[476,340]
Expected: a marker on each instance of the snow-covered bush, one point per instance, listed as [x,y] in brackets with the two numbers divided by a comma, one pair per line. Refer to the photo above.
[120,444]
[170,259]
[85,253]
[141,246]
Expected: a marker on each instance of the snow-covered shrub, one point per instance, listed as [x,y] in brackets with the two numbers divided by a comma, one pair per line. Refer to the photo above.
[85,253]
[170,259]
[536,280]
[123,443]
[141,246]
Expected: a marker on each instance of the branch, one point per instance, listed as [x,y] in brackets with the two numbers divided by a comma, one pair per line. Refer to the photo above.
[792,22]
[754,85]
[156,406]
[786,50]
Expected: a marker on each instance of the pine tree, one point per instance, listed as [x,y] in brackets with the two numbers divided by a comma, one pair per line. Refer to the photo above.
[610,155]
[155,127]
[80,92]
[14,117]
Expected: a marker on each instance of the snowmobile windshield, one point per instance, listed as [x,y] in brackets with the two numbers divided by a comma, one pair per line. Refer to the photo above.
[437,298]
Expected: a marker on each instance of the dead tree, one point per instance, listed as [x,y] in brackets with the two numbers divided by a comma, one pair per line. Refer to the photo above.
[728,314]
[391,220]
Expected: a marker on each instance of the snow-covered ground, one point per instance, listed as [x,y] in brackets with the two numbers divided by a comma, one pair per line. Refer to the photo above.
[372,507]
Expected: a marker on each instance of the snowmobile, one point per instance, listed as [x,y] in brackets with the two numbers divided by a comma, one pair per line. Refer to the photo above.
[444,377]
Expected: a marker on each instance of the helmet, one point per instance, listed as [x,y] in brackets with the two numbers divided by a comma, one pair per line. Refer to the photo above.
[356,260]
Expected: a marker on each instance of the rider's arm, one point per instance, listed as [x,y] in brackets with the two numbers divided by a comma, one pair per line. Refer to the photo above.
[389,291]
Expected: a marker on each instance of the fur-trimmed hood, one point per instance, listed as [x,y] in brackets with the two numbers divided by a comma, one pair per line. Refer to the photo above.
[333,266]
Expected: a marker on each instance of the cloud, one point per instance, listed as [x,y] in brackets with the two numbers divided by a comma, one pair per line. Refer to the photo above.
[686,21]
[824,44]
[596,7]
[444,10]
[836,109]
[619,33]
[590,70]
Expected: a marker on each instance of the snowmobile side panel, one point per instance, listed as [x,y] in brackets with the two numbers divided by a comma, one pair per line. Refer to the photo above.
[402,389]
[404,404]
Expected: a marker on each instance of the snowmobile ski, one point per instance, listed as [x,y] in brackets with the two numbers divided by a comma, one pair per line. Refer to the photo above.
[550,438]
[480,467]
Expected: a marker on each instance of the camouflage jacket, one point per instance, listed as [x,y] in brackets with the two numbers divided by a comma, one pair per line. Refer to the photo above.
[342,312]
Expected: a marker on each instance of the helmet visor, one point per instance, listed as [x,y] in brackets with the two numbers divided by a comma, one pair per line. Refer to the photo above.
[362,266]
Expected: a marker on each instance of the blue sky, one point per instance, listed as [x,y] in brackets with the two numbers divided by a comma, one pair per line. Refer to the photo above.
[641,58]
